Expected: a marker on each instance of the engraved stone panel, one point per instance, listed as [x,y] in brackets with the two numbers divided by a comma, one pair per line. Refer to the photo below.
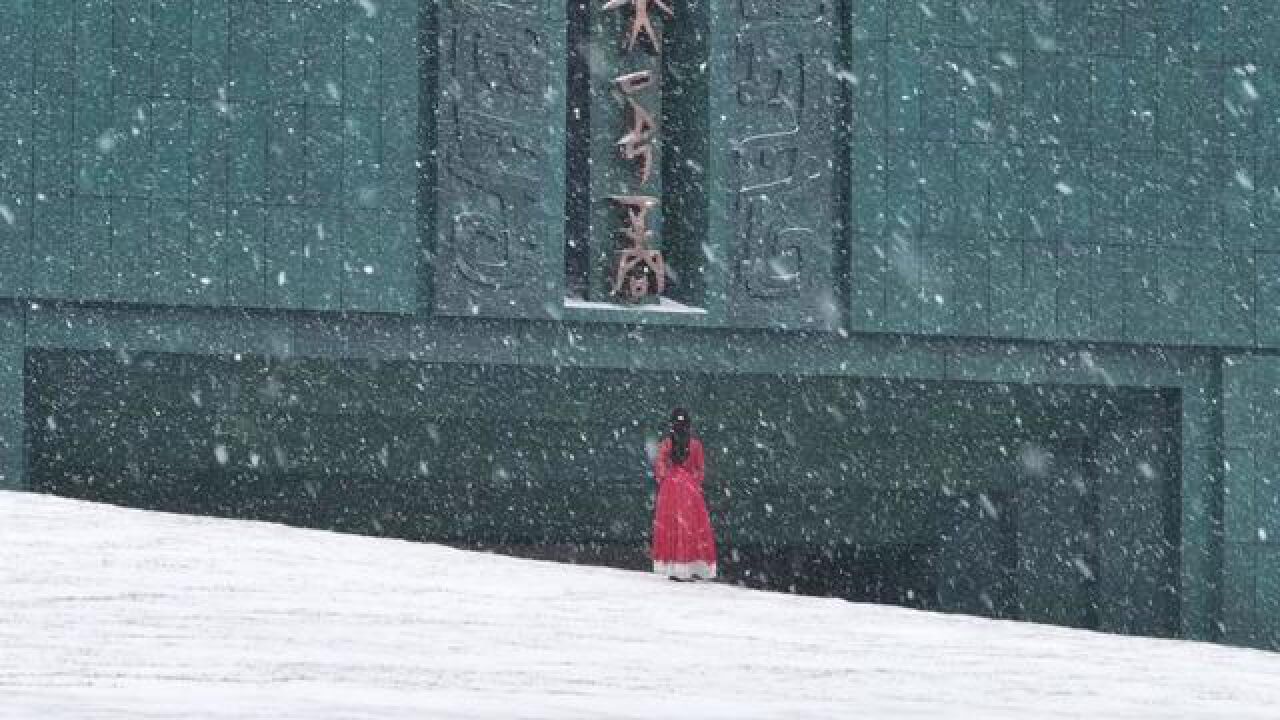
[499,232]
[776,139]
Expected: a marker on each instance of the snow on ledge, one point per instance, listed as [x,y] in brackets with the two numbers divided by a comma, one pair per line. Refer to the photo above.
[665,305]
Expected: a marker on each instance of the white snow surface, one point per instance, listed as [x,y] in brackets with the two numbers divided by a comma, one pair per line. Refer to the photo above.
[112,613]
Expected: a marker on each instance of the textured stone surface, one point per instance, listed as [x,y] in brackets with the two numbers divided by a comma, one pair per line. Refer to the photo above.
[1251,499]
[230,153]
[1063,170]
[500,215]
[772,132]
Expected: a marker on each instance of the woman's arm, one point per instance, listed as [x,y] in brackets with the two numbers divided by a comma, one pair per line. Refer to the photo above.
[695,458]
[662,463]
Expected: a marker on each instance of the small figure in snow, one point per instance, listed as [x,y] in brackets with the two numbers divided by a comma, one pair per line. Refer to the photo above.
[684,547]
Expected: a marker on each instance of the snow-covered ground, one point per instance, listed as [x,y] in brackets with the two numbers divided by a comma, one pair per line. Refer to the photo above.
[114,613]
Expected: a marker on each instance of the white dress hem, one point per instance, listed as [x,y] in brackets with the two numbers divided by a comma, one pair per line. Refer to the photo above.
[686,570]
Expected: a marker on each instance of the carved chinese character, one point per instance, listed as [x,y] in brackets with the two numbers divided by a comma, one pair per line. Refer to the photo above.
[505,64]
[642,21]
[632,83]
[638,142]
[774,163]
[638,270]
[637,208]
[775,250]
[639,273]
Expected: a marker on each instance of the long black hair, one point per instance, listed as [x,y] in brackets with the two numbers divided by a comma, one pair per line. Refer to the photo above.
[681,430]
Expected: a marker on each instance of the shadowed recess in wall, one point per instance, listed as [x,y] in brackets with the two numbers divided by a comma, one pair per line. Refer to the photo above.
[1032,502]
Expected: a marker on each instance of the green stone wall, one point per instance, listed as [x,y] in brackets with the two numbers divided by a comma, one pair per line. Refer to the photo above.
[229,153]
[1251,500]
[12,423]
[1064,169]
[1043,169]
[499,162]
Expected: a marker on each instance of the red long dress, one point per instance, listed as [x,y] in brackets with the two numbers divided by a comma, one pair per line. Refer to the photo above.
[683,544]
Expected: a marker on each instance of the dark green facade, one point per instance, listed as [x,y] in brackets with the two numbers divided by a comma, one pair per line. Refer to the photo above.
[989,301]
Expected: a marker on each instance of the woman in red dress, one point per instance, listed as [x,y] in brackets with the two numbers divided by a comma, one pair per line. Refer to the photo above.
[684,547]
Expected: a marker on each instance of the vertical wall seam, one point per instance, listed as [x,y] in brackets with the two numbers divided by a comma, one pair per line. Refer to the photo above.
[343,110]
[843,222]
[1217,502]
